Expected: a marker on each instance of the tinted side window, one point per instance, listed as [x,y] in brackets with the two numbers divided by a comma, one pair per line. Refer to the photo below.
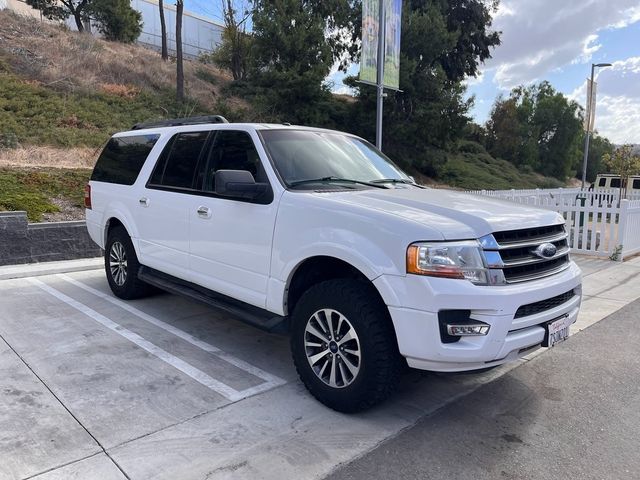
[122,159]
[603,182]
[636,184]
[615,183]
[233,150]
[158,171]
[182,161]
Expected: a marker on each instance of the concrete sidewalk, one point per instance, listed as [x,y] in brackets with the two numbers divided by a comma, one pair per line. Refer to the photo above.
[607,287]
[91,387]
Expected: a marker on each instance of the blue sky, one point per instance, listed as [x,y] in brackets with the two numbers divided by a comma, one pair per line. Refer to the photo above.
[558,41]
[555,40]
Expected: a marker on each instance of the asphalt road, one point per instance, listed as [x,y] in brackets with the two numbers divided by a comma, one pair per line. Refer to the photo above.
[573,412]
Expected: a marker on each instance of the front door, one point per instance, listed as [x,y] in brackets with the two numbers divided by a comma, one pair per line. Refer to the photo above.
[230,240]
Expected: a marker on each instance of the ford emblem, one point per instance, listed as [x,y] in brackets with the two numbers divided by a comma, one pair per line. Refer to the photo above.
[546,250]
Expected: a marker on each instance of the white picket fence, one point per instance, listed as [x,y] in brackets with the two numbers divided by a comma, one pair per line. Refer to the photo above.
[599,223]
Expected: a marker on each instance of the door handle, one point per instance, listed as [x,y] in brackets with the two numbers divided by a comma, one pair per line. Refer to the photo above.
[204,212]
[144,201]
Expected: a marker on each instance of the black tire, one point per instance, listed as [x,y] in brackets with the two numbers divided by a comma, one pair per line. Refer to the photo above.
[129,287]
[380,363]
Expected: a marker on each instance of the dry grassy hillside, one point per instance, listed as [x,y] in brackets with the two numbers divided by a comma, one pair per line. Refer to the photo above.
[55,57]
[63,89]
[62,94]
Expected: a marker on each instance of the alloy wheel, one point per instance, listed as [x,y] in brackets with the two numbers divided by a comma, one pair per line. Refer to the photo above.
[118,263]
[332,347]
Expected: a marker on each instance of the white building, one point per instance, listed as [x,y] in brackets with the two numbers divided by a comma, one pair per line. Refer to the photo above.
[199,34]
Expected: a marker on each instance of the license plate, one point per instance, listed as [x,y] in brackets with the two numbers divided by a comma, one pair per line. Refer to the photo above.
[556,331]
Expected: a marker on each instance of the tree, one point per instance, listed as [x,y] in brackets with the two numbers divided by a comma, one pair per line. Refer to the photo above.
[539,127]
[623,162]
[117,21]
[598,147]
[441,43]
[236,43]
[62,9]
[163,32]
[179,59]
[295,43]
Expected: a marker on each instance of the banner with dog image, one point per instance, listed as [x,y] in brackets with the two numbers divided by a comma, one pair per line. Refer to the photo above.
[369,56]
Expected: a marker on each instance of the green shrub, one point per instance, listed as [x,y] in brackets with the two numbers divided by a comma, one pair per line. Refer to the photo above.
[481,171]
[31,190]
[8,140]
[466,146]
[117,21]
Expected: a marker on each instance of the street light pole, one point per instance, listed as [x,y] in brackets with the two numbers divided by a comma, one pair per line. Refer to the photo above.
[380,73]
[589,112]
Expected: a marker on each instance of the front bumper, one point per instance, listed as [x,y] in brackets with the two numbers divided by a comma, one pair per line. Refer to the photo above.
[414,302]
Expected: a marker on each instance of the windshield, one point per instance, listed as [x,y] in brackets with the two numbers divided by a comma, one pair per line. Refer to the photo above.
[302,157]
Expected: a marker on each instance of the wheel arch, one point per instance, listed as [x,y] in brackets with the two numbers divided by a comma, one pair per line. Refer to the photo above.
[114,220]
[317,269]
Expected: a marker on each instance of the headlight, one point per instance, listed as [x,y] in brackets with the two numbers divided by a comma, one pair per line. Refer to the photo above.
[448,259]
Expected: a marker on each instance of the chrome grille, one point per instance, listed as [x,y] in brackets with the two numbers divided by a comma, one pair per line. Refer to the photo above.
[511,258]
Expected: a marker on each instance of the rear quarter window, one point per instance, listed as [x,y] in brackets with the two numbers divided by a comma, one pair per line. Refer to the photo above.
[122,159]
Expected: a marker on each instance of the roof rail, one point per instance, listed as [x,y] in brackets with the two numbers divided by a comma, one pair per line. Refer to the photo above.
[175,122]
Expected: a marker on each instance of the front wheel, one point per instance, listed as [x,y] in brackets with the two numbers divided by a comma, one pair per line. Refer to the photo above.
[344,346]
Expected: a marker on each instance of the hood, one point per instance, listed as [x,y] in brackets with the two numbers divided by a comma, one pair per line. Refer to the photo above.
[456,215]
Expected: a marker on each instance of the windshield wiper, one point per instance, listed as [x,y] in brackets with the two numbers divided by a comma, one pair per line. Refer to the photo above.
[393,180]
[334,179]
[396,180]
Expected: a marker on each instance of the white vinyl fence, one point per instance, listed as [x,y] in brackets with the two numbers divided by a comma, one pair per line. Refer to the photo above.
[599,223]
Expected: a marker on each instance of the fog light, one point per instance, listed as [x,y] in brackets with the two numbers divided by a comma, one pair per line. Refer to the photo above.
[474,328]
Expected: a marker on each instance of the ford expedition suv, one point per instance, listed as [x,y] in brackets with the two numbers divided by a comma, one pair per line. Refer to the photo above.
[317,234]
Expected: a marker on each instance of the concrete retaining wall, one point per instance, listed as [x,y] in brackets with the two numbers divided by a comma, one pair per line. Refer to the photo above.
[23,242]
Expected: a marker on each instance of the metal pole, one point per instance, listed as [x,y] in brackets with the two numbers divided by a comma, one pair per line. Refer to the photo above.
[380,73]
[588,132]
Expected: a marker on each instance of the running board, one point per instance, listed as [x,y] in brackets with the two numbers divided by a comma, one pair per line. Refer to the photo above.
[250,314]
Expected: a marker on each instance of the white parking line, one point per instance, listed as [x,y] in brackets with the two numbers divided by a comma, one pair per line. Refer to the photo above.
[196,374]
[241,364]
[144,316]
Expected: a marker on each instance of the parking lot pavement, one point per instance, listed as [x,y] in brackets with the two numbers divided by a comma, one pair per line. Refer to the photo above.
[571,413]
[166,388]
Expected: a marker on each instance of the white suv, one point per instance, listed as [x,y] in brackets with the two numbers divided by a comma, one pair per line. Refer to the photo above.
[316,233]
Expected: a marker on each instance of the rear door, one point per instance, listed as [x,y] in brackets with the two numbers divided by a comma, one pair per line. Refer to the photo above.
[230,239]
[163,207]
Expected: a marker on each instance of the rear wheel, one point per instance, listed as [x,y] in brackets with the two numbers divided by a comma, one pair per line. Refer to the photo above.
[344,346]
[121,266]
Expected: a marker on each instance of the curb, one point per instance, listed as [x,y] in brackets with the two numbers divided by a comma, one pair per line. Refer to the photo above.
[8,272]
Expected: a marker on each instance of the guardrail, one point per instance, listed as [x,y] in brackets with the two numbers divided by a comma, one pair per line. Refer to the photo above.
[599,222]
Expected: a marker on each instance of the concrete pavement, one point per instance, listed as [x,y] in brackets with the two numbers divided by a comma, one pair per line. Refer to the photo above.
[92,387]
[570,413]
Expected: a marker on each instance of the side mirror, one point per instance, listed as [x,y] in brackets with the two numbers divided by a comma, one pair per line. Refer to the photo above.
[238,184]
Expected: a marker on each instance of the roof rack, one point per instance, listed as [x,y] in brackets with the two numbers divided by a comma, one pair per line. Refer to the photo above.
[176,122]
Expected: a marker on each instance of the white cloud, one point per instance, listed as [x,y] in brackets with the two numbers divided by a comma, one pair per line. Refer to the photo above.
[471,81]
[618,105]
[588,49]
[539,36]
